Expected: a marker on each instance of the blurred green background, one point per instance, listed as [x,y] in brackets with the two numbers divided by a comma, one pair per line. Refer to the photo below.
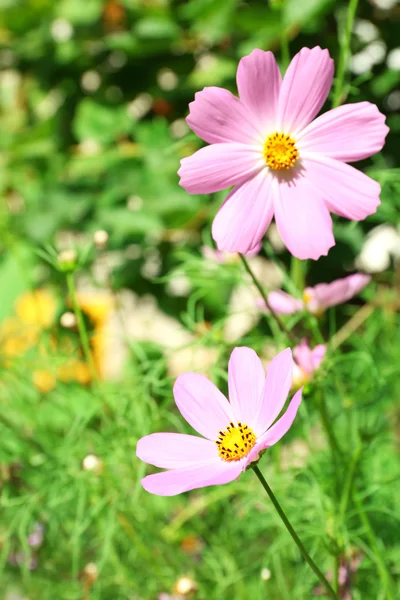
[93,97]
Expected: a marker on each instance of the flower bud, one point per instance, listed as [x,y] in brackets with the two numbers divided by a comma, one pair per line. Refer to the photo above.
[67,261]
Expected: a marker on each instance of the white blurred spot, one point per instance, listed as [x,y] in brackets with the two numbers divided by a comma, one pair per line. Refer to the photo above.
[50,104]
[377,51]
[134,203]
[152,265]
[366,31]
[117,59]
[179,128]
[68,320]
[61,30]
[90,81]
[393,100]
[393,59]
[385,4]
[133,251]
[140,106]
[100,239]
[381,244]
[89,147]
[167,79]
[179,286]
[265,574]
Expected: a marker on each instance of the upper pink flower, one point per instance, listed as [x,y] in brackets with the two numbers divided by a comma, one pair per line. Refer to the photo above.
[281,162]
[307,361]
[234,433]
[317,299]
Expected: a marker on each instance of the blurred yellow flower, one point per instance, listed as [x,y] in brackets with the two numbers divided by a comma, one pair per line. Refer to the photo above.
[74,370]
[36,308]
[44,381]
[99,307]
[16,337]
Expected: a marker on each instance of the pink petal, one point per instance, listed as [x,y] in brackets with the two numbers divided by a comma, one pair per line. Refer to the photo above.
[219,166]
[302,219]
[284,304]
[201,403]
[175,450]
[259,81]
[276,389]
[216,116]
[278,430]
[246,377]
[244,217]
[171,483]
[302,354]
[349,133]
[305,88]
[318,355]
[346,191]
[341,290]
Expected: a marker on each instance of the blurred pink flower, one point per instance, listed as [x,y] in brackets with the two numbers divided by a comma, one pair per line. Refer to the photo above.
[36,536]
[307,361]
[236,432]
[281,161]
[317,299]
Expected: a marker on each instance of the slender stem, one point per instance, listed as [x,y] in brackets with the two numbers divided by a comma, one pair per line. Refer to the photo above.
[264,296]
[380,560]
[348,484]
[344,52]
[297,272]
[327,423]
[284,41]
[294,535]
[81,327]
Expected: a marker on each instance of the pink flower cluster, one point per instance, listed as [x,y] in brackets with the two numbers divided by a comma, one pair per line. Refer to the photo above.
[286,163]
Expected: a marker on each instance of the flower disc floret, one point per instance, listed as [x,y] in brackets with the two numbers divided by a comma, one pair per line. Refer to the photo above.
[280,151]
[235,442]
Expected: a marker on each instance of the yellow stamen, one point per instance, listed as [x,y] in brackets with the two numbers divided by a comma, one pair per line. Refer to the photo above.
[280,151]
[307,297]
[235,442]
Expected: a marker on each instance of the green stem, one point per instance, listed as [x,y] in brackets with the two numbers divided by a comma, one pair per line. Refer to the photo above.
[344,52]
[348,484]
[284,42]
[380,560]
[294,535]
[264,296]
[327,423]
[81,327]
[297,272]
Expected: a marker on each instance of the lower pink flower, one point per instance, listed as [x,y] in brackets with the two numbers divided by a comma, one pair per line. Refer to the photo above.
[234,433]
[307,361]
[317,299]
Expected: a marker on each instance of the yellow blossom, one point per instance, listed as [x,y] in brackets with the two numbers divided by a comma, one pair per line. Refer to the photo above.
[44,381]
[36,308]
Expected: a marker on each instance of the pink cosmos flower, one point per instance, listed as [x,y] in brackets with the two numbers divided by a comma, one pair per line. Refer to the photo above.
[317,299]
[281,162]
[234,433]
[307,361]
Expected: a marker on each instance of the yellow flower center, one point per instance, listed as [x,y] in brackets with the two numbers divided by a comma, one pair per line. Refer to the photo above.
[235,442]
[280,151]
[307,297]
